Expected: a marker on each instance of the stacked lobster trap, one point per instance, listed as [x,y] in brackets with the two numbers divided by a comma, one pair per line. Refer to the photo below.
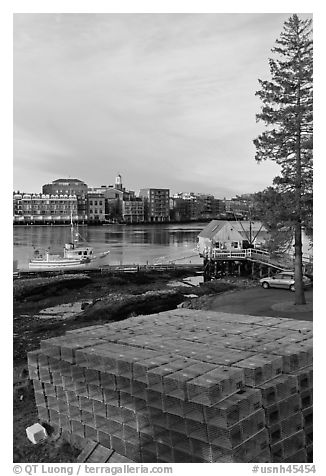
[182,386]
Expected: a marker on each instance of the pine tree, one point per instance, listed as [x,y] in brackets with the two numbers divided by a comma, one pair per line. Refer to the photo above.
[287,111]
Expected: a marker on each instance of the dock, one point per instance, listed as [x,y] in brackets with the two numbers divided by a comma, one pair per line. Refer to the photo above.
[248,262]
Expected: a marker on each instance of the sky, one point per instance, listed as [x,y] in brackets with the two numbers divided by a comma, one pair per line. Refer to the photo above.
[166,100]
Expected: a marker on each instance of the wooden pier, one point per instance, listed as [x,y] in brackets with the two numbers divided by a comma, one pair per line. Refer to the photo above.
[248,262]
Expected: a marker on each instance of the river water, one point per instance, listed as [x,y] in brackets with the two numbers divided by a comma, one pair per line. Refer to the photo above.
[128,244]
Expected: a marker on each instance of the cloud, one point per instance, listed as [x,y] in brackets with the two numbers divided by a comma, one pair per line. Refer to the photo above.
[166,99]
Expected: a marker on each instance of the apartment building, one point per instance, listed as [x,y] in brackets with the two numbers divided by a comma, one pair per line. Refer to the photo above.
[44,209]
[157,204]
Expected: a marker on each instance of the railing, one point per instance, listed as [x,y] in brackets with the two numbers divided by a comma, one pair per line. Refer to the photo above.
[262,256]
[214,253]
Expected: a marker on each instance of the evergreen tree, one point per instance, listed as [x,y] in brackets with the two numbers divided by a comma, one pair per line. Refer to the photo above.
[287,113]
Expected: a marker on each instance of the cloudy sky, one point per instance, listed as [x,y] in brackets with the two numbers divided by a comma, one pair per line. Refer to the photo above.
[166,100]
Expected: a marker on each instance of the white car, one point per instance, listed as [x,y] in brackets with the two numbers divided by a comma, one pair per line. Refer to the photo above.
[284,280]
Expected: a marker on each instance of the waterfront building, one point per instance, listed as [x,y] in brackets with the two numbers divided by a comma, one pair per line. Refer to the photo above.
[157,204]
[218,208]
[133,211]
[237,207]
[184,209]
[206,207]
[44,209]
[115,204]
[225,235]
[70,186]
[114,198]
[95,207]
[65,186]
[192,207]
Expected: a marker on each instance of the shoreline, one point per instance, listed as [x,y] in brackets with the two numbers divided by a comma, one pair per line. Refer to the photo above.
[145,223]
[113,268]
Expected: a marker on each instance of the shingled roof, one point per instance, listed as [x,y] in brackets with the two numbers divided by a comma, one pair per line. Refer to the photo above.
[216,225]
[212,228]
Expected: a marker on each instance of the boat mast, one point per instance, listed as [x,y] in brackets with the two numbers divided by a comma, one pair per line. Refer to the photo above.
[72,230]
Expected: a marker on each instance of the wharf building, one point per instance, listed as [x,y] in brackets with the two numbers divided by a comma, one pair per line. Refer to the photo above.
[240,248]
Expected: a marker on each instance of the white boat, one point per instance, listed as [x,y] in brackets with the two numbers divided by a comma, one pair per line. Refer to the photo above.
[74,257]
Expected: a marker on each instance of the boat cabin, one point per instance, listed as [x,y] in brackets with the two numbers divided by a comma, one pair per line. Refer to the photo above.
[71,251]
[221,235]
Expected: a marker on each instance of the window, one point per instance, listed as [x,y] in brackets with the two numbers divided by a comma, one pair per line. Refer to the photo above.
[235,244]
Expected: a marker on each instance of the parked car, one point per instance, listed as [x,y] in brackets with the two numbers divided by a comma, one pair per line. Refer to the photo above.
[284,280]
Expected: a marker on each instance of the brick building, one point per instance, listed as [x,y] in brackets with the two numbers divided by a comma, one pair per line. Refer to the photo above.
[44,209]
[70,186]
[133,211]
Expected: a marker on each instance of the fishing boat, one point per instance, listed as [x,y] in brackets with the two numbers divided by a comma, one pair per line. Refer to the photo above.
[74,257]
